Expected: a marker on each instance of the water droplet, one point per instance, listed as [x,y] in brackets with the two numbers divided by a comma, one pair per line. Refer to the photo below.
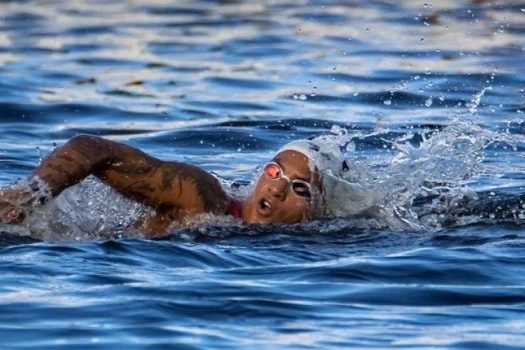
[416,77]
[441,98]
[428,102]
[350,147]
[337,130]
[302,97]
[387,102]
[476,100]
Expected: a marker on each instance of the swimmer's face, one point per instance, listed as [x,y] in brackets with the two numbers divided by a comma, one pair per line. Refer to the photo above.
[282,193]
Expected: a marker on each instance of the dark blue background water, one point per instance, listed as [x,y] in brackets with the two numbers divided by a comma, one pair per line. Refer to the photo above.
[223,84]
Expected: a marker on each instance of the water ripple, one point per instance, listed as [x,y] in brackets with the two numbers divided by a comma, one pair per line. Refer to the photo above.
[223,84]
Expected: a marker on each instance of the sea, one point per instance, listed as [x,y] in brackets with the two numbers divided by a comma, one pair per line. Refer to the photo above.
[426,98]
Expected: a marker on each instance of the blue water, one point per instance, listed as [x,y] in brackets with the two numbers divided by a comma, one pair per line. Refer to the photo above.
[223,84]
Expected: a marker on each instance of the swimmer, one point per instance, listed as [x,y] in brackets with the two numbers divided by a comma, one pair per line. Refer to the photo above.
[289,190]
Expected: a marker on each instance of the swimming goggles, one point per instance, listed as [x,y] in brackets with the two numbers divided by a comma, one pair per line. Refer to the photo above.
[273,171]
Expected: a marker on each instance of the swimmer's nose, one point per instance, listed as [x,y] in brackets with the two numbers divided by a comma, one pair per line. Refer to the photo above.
[278,188]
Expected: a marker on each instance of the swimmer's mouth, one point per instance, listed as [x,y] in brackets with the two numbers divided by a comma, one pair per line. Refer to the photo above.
[265,207]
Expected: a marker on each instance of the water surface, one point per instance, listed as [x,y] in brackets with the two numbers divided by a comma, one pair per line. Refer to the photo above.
[424,90]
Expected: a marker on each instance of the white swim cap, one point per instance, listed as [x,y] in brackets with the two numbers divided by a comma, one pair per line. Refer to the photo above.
[338,197]
[324,155]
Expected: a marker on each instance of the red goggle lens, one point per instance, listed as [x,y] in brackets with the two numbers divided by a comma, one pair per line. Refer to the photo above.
[300,187]
[272,171]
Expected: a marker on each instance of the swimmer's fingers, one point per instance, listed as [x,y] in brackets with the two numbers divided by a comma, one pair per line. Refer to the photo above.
[12,203]
[10,214]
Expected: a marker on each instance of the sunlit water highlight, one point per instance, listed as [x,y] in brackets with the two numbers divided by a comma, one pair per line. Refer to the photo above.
[428,99]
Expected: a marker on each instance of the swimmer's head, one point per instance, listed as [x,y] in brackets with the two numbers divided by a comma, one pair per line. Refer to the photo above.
[290,188]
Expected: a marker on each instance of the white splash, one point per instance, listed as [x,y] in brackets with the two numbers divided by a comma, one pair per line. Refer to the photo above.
[476,100]
[383,187]
[88,211]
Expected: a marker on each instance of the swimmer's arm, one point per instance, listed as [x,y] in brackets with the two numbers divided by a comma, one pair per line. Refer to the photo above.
[167,186]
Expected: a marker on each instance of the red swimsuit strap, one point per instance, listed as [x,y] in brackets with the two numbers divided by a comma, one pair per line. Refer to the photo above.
[235,209]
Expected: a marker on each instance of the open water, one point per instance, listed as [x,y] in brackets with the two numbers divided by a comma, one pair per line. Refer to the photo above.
[429,97]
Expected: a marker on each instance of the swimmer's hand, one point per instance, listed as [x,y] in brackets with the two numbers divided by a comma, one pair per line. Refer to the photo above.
[15,204]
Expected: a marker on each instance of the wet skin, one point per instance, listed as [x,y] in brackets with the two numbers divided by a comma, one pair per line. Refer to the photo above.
[273,201]
[176,191]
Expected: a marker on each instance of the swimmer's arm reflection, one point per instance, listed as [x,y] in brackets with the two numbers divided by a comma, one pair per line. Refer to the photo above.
[175,190]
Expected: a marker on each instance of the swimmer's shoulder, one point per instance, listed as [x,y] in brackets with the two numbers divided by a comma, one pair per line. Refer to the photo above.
[190,187]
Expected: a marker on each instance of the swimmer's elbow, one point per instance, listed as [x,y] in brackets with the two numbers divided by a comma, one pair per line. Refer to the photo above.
[94,148]
[84,140]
